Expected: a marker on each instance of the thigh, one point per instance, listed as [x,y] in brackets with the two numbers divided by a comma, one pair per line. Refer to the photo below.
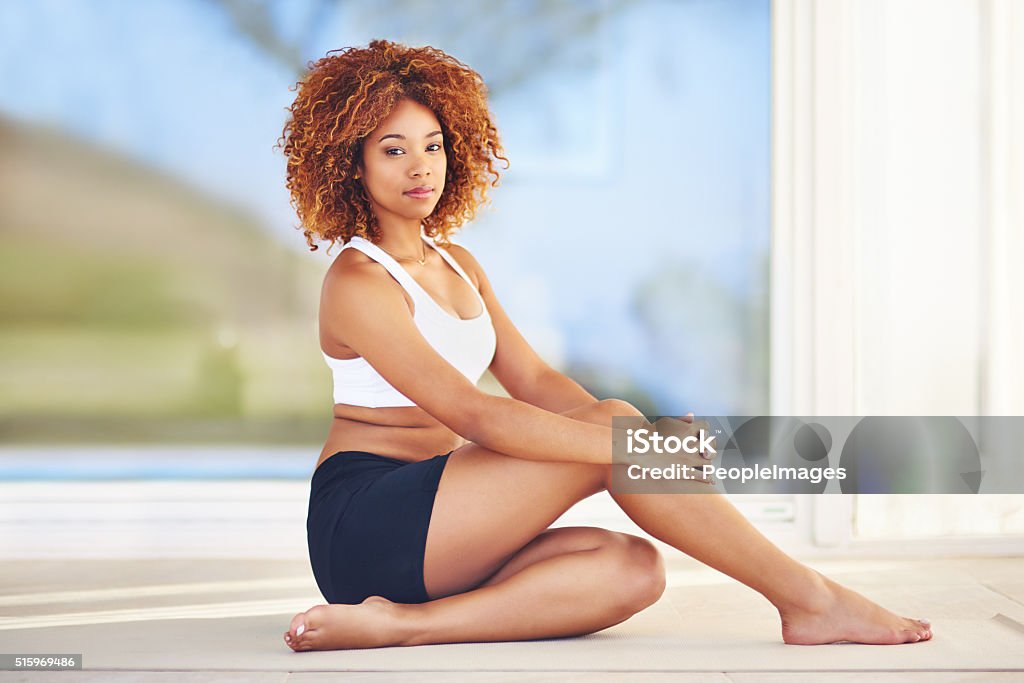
[552,543]
[488,506]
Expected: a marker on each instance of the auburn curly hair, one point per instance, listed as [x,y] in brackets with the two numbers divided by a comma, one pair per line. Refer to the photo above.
[344,97]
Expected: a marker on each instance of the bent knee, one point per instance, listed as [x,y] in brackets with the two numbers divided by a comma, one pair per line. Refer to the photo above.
[616,407]
[641,570]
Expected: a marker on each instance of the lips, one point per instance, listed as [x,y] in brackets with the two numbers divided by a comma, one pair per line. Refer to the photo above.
[421,192]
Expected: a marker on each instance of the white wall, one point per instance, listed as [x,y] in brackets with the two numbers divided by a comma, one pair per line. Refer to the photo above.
[898,159]
[898,149]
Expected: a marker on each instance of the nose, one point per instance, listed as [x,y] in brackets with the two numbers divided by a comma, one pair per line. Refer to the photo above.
[420,167]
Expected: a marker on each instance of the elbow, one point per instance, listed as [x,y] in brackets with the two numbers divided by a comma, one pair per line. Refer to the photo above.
[469,420]
[530,389]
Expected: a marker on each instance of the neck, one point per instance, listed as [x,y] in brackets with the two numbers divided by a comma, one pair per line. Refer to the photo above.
[401,238]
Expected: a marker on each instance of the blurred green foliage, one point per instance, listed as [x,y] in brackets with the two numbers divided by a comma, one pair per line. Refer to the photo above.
[133,307]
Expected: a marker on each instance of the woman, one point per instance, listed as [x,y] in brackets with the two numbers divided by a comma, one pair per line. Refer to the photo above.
[431,501]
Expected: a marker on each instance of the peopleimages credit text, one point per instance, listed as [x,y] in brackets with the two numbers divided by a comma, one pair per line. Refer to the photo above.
[641,441]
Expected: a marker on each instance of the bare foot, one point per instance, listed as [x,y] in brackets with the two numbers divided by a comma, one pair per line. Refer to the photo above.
[845,615]
[373,623]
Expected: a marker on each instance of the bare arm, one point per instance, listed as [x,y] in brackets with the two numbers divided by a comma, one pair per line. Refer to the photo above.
[368,306]
[525,431]
[555,392]
[516,365]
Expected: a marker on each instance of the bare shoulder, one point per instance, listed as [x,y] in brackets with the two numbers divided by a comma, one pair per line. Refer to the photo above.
[353,271]
[468,262]
[348,262]
[352,280]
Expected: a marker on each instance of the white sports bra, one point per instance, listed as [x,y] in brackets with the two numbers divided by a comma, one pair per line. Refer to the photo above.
[468,344]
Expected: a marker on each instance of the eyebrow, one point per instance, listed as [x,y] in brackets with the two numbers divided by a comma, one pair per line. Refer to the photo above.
[402,137]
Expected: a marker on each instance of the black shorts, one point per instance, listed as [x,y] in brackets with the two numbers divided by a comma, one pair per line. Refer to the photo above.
[367,526]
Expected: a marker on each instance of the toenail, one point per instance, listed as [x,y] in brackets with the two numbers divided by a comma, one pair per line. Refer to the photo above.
[925,622]
[300,629]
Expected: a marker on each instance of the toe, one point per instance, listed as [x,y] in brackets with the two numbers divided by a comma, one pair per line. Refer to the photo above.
[917,635]
[926,632]
[921,628]
[912,635]
[908,635]
[297,621]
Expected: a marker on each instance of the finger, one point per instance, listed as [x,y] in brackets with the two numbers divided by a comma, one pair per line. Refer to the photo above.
[696,428]
[690,486]
[701,479]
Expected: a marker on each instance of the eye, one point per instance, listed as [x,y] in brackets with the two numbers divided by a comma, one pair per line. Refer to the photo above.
[434,147]
[394,151]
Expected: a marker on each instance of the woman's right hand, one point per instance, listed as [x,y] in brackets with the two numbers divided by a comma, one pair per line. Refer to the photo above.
[671,427]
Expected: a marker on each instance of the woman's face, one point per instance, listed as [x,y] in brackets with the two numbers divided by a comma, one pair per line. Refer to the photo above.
[404,163]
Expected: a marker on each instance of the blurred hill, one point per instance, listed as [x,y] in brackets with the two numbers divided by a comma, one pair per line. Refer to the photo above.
[134,307]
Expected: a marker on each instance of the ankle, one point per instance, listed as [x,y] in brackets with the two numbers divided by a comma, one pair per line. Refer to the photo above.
[811,594]
[410,622]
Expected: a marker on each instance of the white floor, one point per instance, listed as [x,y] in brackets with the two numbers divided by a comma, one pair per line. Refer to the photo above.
[164,581]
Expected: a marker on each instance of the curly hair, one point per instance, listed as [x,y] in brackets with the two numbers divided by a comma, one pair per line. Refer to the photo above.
[344,97]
